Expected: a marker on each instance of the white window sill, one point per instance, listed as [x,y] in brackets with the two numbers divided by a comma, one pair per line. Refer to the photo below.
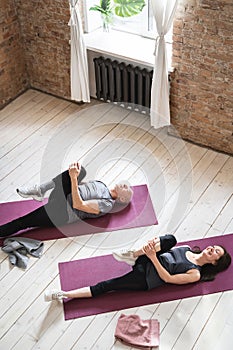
[125,46]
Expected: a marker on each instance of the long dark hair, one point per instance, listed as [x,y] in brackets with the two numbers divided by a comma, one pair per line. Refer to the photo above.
[209,271]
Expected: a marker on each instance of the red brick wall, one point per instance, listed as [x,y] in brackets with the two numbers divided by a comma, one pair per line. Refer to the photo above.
[13,75]
[202,85]
[46,36]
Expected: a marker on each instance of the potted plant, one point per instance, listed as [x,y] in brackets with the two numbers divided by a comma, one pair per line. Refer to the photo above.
[106,10]
[121,8]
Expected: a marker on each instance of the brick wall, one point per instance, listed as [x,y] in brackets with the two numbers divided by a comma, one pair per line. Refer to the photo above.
[202,85]
[46,36]
[13,75]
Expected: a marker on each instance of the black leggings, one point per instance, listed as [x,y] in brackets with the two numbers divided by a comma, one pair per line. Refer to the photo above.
[134,280]
[54,213]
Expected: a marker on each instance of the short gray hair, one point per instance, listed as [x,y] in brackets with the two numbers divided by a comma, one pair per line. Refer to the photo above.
[128,194]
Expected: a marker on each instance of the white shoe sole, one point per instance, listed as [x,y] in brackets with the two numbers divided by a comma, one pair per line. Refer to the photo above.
[127,261]
[47,297]
[33,196]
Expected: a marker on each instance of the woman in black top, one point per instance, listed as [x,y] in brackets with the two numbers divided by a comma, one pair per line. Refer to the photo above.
[156,264]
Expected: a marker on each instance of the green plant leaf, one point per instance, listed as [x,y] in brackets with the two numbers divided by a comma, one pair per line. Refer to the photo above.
[104,7]
[96,8]
[105,4]
[128,8]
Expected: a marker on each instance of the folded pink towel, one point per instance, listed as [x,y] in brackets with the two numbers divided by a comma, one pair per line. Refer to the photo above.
[133,331]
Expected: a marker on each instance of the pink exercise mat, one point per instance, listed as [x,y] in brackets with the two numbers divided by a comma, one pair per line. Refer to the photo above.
[138,213]
[86,272]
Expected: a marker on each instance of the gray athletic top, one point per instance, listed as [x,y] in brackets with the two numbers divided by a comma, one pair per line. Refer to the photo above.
[91,190]
[174,261]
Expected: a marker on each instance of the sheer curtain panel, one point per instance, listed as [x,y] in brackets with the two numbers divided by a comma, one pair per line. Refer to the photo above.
[79,67]
[163,11]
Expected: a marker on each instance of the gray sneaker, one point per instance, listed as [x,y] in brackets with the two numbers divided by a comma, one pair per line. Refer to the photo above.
[31,192]
[54,294]
[125,255]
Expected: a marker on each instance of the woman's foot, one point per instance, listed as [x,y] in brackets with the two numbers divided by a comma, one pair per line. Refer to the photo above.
[125,255]
[54,294]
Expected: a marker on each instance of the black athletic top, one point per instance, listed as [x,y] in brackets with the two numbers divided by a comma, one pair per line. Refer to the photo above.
[174,261]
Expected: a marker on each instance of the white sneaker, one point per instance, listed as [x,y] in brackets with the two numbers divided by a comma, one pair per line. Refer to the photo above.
[54,294]
[125,255]
[31,192]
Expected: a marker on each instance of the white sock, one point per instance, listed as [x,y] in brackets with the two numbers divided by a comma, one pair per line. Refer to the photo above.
[47,186]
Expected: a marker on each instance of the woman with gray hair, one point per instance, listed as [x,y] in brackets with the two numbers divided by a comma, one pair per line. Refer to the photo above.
[71,200]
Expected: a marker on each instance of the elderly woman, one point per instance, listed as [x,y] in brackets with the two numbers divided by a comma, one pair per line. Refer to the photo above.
[154,265]
[70,201]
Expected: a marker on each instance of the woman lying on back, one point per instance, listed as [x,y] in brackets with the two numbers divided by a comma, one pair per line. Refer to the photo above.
[156,264]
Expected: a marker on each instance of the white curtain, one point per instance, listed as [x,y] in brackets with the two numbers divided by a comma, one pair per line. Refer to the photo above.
[163,11]
[79,67]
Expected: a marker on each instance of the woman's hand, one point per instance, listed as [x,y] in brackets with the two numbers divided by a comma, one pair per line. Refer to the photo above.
[74,170]
[149,249]
[156,242]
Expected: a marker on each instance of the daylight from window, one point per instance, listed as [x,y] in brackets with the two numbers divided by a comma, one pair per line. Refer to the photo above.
[122,17]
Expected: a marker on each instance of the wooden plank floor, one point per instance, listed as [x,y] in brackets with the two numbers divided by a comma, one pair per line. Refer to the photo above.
[191,188]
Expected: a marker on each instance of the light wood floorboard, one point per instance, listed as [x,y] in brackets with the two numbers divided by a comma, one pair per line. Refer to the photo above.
[191,189]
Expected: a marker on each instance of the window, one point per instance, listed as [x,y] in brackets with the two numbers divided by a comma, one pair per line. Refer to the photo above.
[142,24]
[139,24]
[127,36]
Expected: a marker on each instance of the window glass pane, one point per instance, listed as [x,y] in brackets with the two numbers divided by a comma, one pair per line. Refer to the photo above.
[136,24]
[141,24]
[92,19]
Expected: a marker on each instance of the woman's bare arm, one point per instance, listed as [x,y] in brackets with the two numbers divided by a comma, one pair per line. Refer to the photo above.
[190,276]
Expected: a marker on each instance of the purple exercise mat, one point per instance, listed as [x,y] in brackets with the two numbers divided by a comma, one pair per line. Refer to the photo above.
[85,272]
[138,213]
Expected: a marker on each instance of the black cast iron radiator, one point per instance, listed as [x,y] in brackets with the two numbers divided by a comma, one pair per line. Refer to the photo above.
[124,84]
